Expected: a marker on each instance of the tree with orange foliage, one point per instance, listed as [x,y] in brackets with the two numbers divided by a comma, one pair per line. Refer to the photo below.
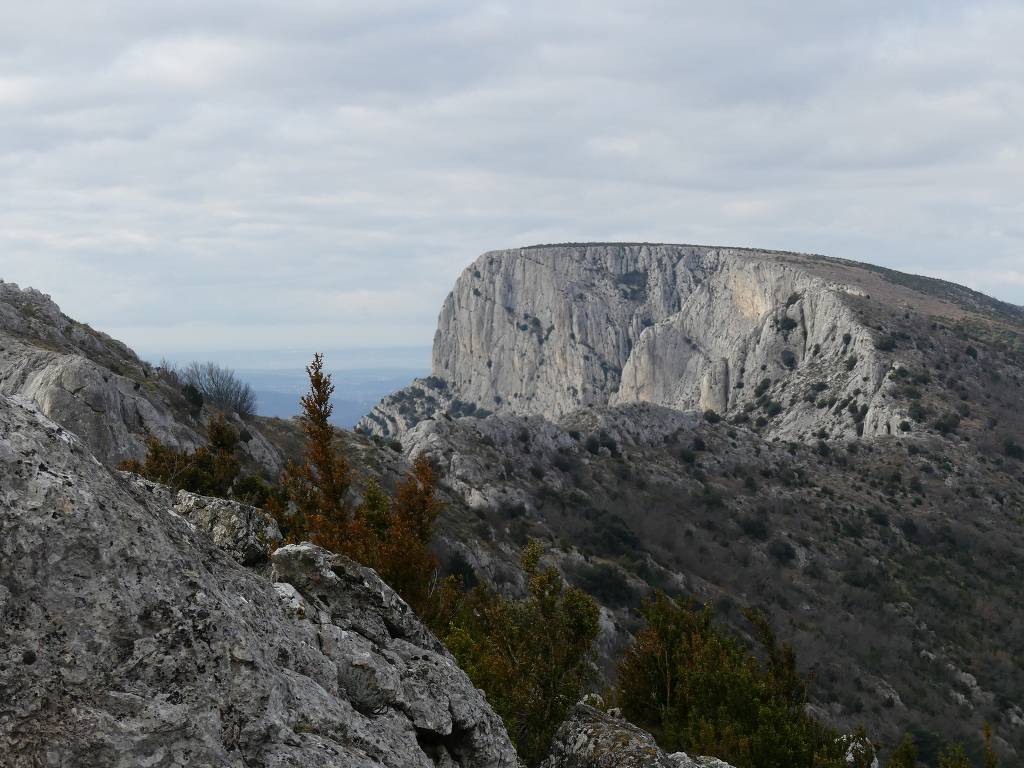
[392,536]
[210,470]
[318,488]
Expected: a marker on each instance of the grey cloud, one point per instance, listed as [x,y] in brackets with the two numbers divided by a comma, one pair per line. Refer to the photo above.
[224,175]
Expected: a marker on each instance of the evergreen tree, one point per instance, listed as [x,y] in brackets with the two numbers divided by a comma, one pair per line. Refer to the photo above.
[532,657]
[989,758]
[318,488]
[699,690]
[954,756]
[905,754]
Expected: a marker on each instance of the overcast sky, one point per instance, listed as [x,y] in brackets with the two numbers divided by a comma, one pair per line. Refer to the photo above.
[195,177]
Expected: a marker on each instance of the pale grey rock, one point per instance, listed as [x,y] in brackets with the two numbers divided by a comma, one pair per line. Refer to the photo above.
[858,751]
[592,738]
[398,412]
[97,387]
[128,638]
[552,329]
[247,532]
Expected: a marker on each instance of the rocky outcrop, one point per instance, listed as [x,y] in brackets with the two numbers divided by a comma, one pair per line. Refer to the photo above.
[127,637]
[400,411]
[593,738]
[247,533]
[97,387]
[551,329]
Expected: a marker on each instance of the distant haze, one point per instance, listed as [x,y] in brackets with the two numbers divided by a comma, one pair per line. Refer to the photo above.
[199,177]
[361,376]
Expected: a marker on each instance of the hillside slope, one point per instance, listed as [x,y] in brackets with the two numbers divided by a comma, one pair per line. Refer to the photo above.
[874,507]
[96,386]
[865,484]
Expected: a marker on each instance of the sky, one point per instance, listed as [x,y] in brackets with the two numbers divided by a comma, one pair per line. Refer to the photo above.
[234,178]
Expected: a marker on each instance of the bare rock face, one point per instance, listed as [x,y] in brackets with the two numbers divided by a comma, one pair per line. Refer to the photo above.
[95,386]
[550,329]
[247,533]
[127,637]
[592,738]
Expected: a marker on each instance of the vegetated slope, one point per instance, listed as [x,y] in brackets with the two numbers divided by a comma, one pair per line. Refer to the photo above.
[893,565]
[865,484]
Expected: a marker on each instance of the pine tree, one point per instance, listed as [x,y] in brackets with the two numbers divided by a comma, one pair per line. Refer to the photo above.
[989,758]
[954,756]
[318,488]
[698,689]
[905,754]
[532,657]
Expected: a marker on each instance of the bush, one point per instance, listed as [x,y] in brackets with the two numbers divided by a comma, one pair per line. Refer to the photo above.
[698,690]
[948,424]
[885,343]
[606,583]
[1013,449]
[711,417]
[755,526]
[208,470]
[905,754]
[193,397]
[532,657]
[221,388]
[782,551]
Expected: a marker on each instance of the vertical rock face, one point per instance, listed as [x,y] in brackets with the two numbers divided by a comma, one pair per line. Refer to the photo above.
[548,330]
[128,638]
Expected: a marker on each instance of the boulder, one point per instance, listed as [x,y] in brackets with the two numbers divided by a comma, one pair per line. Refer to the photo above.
[593,738]
[128,637]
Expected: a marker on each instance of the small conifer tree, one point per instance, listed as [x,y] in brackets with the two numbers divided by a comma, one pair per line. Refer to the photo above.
[989,758]
[905,754]
[318,488]
[532,657]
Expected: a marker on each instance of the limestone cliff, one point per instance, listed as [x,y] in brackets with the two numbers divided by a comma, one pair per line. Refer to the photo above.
[550,329]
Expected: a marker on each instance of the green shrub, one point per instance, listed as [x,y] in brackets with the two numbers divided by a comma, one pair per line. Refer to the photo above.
[782,551]
[698,690]
[885,343]
[532,657]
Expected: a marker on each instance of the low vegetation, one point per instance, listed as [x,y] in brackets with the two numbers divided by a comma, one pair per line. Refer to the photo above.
[533,657]
[210,470]
[219,387]
[699,690]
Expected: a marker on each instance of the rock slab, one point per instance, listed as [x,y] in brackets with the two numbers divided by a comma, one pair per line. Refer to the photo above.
[128,638]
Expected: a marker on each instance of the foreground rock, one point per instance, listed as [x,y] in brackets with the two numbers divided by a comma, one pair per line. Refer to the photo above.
[592,738]
[128,638]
